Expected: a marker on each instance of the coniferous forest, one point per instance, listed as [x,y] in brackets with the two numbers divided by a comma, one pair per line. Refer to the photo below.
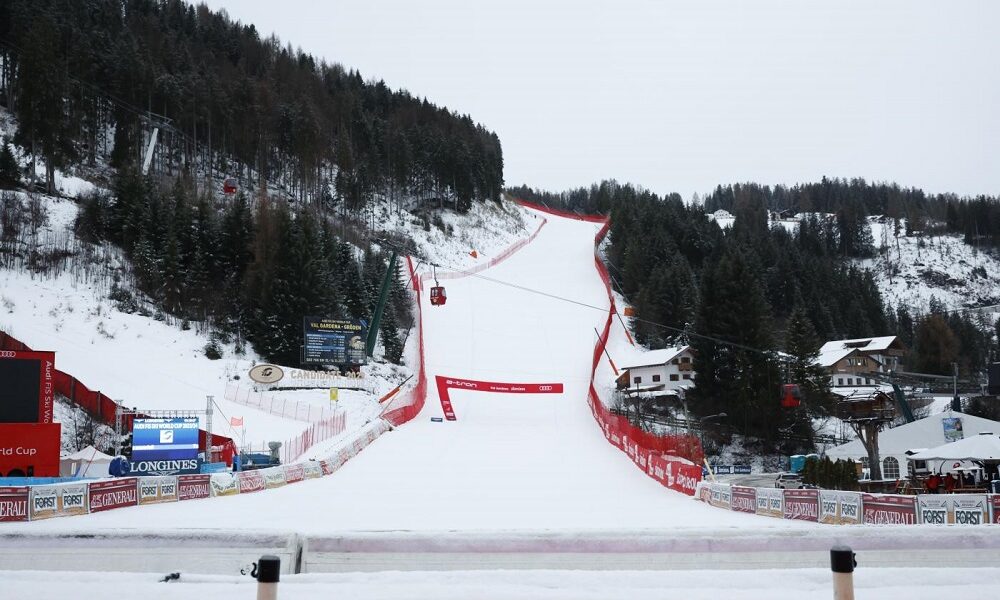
[310,145]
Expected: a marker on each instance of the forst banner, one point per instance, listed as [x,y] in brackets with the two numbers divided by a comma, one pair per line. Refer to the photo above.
[164,439]
[333,341]
[58,500]
[154,490]
[839,508]
[958,509]
[771,502]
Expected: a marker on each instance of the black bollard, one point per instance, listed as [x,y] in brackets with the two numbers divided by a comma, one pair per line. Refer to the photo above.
[268,573]
[842,563]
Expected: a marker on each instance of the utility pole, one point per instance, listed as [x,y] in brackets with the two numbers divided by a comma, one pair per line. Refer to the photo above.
[956,403]
[208,429]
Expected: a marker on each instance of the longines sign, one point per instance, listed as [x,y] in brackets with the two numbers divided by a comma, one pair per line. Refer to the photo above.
[164,467]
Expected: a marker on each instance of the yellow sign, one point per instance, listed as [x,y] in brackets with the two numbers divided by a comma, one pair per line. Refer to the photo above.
[333,394]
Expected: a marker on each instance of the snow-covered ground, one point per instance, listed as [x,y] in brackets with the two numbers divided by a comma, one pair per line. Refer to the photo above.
[925,583]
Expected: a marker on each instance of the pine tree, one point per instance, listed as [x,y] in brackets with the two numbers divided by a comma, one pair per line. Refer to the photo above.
[10,177]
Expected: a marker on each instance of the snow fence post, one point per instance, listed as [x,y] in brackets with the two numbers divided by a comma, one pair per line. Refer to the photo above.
[268,573]
[842,563]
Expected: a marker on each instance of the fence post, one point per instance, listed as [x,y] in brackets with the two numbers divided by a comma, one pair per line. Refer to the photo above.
[268,574]
[842,563]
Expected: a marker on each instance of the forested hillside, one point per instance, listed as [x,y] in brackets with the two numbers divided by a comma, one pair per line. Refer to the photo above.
[313,147]
[81,76]
[739,296]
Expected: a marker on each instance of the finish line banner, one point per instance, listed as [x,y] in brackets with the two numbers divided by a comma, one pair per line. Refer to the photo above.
[446,383]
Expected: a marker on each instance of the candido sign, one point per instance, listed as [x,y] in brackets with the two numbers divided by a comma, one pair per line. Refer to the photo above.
[446,383]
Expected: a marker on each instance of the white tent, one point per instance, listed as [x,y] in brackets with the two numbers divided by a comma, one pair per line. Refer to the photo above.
[928,432]
[983,447]
[89,462]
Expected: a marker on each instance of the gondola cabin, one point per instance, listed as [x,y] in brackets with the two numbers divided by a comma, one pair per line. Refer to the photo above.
[438,296]
[791,396]
[229,186]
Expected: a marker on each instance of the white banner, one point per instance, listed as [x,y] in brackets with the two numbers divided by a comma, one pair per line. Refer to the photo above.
[771,502]
[837,507]
[953,509]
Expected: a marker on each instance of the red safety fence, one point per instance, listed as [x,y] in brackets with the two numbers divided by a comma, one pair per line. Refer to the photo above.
[103,408]
[316,433]
[408,404]
[649,451]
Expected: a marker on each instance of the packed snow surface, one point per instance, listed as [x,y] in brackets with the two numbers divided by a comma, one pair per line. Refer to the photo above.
[510,461]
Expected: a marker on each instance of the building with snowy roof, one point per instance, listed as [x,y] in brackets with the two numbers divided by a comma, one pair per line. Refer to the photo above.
[886,351]
[659,372]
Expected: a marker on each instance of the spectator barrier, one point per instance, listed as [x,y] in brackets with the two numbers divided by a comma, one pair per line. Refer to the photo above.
[670,459]
[835,507]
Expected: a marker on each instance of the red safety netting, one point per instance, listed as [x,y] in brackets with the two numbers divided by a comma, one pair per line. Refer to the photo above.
[409,403]
[103,408]
[650,452]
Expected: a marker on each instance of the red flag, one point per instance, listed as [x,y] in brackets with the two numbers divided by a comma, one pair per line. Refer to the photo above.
[236,421]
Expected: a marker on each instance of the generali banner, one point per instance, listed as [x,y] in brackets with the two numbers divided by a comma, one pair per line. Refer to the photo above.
[802,505]
[251,481]
[13,504]
[192,487]
[113,493]
[57,500]
[744,499]
[154,490]
[881,509]
[294,473]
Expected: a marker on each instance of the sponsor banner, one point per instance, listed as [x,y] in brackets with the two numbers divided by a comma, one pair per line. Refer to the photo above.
[312,469]
[744,499]
[28,393]
[224,484]
[957,509]
[883,509]
[771,502]
[741,469]
[995,509]
[704,492]
[29,448]
[445,383]
[674,474]
[266,374]
[114,493]
[801,505]
[154,490]
[294,473]
[57,500]
[721,496]
[251,481]
[143,468]
[13,504]
[192,487]
[327,466]
[274,477]
[836,507]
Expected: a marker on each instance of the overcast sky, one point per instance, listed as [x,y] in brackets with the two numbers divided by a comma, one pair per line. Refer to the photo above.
[684,96]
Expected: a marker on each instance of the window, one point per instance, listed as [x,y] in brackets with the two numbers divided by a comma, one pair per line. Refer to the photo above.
[840,381]
[890,468]
[637,380]
[674,377]
[864,462]
[687,376]
[675,362]
[656,377]
[685,359]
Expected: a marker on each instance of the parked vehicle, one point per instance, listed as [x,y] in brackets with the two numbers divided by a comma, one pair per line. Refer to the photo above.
[788,481]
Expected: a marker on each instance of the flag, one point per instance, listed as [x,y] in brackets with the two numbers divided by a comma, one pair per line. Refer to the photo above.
[236,421]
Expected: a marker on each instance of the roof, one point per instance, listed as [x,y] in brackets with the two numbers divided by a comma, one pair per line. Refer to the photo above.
[828,358]
[89,454]
[655,357]
[873,344]
[922,433]
[985,446]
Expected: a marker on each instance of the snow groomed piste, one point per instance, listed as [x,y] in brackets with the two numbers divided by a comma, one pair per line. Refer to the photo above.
[523,479]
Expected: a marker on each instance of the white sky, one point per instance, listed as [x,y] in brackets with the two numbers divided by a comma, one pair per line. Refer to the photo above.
[683,96]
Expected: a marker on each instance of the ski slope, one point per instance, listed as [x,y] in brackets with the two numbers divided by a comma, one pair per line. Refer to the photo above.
[526,462]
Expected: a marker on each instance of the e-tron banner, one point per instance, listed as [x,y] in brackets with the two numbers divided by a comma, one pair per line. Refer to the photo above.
[164,439]
[446,383]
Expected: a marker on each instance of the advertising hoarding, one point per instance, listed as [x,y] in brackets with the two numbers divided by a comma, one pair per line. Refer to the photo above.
[839,508]
[58,500]
[251,481]
[744,499]
[224,484]
[770,502]
[882,509]
[115,493]
[13,504]
[154,490]
[333,341]
[957,509]
[150,468]
[801,505]
[193,487]
[164,439]
[28,391]
[952,429]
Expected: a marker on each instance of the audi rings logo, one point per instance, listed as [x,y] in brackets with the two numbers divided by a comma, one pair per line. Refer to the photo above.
[545,388]
[266,373]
